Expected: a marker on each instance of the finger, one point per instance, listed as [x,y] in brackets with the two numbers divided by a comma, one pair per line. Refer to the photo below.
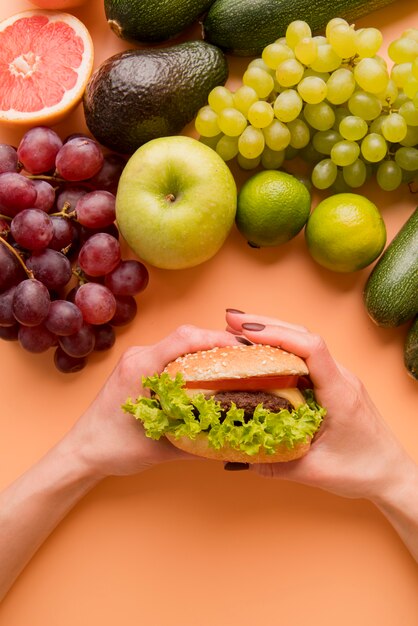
[235,320]
[323,369]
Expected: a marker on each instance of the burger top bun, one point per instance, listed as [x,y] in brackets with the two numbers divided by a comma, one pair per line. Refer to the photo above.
[237,361]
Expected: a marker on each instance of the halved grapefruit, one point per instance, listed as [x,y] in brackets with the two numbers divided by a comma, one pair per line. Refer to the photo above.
[46,59]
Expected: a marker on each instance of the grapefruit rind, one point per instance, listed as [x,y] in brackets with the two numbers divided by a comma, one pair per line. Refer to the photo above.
[49,113]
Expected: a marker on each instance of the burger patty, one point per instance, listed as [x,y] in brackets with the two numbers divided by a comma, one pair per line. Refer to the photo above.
[248,400]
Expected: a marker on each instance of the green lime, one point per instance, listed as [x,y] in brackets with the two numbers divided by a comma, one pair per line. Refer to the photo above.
[345,232]
[272,208]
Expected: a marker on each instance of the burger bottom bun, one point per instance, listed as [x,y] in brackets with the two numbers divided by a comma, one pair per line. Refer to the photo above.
[200,447]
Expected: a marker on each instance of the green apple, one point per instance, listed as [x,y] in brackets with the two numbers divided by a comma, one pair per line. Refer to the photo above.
[176,202]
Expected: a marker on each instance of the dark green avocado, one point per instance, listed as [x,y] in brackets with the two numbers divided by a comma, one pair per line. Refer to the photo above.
[139,95]
[411,350]
[152,21]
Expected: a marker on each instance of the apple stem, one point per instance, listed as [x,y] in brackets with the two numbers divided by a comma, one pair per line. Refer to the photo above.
[170,197]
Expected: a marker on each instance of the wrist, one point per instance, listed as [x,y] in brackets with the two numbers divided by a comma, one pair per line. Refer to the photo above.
[400,484]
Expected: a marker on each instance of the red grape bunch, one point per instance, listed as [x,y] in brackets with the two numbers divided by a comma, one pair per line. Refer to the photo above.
[63,283]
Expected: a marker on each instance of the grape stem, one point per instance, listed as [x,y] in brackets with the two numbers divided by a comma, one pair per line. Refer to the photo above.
[28,272]
[65,212]
[58,180]
[5,217]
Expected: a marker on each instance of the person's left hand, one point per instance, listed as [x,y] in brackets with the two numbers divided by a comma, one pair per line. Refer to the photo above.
[110,441]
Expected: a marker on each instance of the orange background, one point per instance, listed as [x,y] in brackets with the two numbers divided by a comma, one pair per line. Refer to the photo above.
[195,545]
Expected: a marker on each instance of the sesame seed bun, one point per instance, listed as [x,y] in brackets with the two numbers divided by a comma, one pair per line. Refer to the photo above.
[238,361]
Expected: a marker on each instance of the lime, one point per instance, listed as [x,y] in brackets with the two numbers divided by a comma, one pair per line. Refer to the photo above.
[345,232]
[272,208]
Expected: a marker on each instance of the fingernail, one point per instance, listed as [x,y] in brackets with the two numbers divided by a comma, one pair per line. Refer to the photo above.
[236,467]
[235,311]
[245,341]
[253,326]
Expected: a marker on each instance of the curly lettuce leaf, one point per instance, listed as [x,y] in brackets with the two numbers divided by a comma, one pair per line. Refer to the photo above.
[171,410]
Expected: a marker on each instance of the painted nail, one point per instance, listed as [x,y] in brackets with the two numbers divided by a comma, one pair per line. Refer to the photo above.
[236,467]
[237,311]
[253,326]
[245,341]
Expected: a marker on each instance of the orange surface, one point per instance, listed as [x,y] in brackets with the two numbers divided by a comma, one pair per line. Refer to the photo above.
[195,545]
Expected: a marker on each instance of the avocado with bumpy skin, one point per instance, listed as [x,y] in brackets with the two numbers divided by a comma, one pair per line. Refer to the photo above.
[152,21]
[139,95]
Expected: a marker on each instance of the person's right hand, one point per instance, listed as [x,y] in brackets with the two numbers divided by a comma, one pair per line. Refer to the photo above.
[354,454]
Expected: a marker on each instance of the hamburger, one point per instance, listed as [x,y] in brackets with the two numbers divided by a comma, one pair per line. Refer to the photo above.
[244,404]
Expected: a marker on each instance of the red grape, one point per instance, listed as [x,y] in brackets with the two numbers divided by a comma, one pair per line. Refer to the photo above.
[64,318]
[16,193]
[8,158]
[63,232]
[96,302]
[69,196]
[9,333]
[38,149]
[31,302]
[51,267]
[36,338]
[96,209]
[126,309]
[78,159]
[104,337]
[68,364]
[45,195]
[32,229]
[99,255]
[11,271]
[78,344]
[128,278]
[108,176]
[6,307]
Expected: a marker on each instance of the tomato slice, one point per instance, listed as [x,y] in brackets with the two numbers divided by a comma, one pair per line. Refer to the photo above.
[254,383]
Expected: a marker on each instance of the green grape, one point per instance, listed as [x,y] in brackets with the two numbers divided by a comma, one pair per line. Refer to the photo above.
[231,121]
[364,105]
[275,53]
[335,21]
[310,155]
[260,114]
[411,86]
[388,175]
[324,174]
[276,135]
[219,98]
[371,76]
[324,140]
[289,73]
[403,50]
[206,122]
[376,125]
[244,97]
[211,141]
[409,177]
[248,164]
[411,33]
[260,80]
[287,105]
[340,113]
[355,174]
[368,41]
[400,100]
[312,89]
[297,30]
[343,40]
[290,153]
[340,185]
[374,147]
[251,143]
[394,127]
[390,94]
[345,152]
[327,60]
[260,64]
[415,67]
[272,159]
[306,50]
[320,116]
[340,85]
[407,158]
[400,74]
[353,128]
[411,137]
[227,147]
[299,134]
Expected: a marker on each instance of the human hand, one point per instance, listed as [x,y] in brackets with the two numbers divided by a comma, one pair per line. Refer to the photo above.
[106,440]
[354,453]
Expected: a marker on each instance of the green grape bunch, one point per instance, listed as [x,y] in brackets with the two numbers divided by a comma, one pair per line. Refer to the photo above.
[330,99]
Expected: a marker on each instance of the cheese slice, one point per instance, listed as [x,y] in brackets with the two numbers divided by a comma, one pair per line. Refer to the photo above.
[292,394]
